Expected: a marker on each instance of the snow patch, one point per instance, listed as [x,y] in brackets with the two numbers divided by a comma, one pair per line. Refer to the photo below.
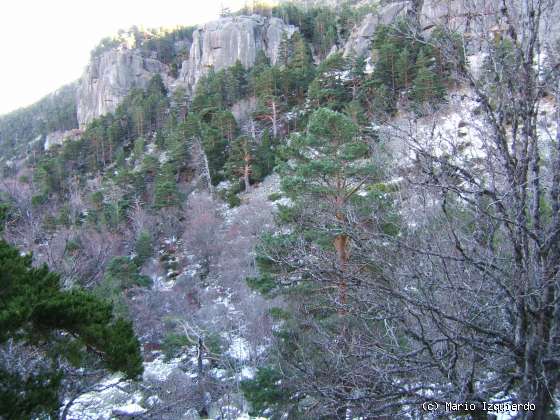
[239,349]
[129,410]
[248,372]
[158,370]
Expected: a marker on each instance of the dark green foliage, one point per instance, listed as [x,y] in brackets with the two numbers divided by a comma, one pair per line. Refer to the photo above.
[214,145]
[407,67]
[107,140]
[337,153]
[318,24]
[449,53]
[265,158]
[242,155]
[212,122]
[295,76]
[166,193]
[123,273]
[173,344]
[4,214]
[329,88]
[113,213]
[96,199]
[176,147]
[324,30]
[236,83]
[33,307]
[263,284]
[501,63]
[150,166]
[214,343]
[427,87]
[284,51]
[156,86]
[279,313]
[221,89]
[232,199]
[144,247]
[138,149]
[48,176]
[331,179]
[30,397]
[264,392]
[107,43]
[275,196]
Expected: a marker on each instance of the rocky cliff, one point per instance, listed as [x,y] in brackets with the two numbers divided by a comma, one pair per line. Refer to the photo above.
[109,77]
[452,13]
[362,35]
[219,44]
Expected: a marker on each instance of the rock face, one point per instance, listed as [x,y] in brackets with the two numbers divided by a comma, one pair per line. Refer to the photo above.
[218,44]
[360,40]
[221,43]
[110,77]
[452,13]
[59,137]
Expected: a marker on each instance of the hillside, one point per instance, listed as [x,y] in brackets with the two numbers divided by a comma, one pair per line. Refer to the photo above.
[342,210]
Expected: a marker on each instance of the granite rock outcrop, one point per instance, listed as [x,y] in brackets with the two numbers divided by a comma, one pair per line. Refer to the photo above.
[109,77]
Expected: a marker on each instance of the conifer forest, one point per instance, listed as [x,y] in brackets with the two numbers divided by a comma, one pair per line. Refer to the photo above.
[301,210]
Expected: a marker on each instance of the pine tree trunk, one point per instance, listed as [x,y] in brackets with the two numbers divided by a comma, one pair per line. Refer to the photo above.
[341,248]
[274,122]
[246,171]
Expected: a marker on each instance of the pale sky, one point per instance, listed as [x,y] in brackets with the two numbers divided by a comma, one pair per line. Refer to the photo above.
[45,44]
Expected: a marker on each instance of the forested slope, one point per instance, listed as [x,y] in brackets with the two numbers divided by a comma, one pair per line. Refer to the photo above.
[354,222]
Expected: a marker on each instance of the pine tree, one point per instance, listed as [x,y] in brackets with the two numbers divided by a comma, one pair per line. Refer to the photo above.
[214,145]
[166,193]
[265,158]
[35,311]
[240,161]
[328,89]
[177,150]
[357,72]
[386,66]
[404,69]
[235,82]
[143,247]
[324,30]
[301,66]
[284,51]
[330,179]
[427,87]
[327,166]
[225,123]
[268,95]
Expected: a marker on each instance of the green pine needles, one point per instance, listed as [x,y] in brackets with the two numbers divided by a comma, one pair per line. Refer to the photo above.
[37,314]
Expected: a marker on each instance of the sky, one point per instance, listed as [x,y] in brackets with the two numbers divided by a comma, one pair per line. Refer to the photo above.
[45,44]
